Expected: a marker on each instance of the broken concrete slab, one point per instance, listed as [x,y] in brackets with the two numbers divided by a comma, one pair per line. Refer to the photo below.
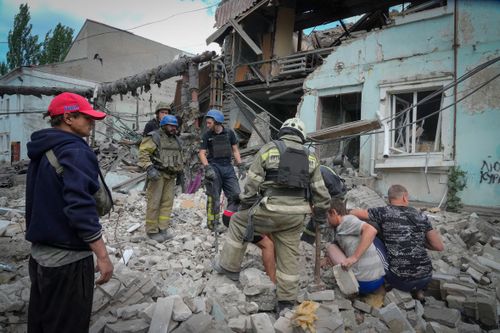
[346,280]
[445,316]
[261,323]
[198,322]
[180,311]
[127,326]
[238,324]
[162,315]
[395,319]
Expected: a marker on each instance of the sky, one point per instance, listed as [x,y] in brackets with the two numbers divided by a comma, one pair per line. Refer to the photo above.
[184,31]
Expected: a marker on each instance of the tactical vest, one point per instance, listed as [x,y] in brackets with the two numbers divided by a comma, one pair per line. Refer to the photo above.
[293,169]
[168,155]
[220,146]
[103,198]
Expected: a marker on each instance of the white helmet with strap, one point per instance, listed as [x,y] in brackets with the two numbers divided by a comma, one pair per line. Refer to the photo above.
[297,125]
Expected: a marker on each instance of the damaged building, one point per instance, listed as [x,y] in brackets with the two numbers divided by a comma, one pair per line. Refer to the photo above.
[388,65]
[100,53]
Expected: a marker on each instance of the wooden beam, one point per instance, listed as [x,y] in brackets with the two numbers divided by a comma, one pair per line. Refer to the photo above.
[47,91]
[353,127]
[284,93]
[239,29]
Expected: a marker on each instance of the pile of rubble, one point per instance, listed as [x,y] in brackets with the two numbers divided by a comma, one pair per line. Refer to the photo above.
[170,287]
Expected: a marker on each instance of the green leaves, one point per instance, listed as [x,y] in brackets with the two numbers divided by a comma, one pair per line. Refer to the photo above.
[24,48]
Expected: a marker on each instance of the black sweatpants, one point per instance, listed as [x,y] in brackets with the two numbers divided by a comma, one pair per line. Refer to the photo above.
[61,297]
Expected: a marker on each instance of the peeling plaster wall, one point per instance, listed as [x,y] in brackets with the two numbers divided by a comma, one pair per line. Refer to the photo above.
[478,117]
[418,48]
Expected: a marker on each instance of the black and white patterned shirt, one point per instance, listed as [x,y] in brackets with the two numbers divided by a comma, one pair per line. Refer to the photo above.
[404,230]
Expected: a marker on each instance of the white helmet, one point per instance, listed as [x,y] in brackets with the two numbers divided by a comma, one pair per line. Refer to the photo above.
[296,125]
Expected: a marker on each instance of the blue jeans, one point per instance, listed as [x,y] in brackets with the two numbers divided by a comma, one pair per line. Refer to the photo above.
[407,285]
[225,181]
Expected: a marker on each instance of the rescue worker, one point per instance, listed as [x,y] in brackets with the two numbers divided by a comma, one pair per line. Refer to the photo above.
[336,188]
[220,144]
[264,242]
[283,182]
[161,110]
[160,155]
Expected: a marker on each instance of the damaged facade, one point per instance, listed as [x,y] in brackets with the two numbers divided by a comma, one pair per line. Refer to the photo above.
[383,58]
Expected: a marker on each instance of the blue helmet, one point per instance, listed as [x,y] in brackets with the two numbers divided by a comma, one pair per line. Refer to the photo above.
[216,115]
[169,120]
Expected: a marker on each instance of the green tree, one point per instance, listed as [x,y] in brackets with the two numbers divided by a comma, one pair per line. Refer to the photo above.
[24,48]
[55,47]
[3,68]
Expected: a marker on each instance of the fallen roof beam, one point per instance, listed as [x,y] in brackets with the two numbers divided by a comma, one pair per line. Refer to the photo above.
[39,91]
[239,29]
[284,93]
[155,75]
[121,86]
[354,127]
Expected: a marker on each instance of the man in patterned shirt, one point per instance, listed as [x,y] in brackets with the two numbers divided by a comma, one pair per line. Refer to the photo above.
[407,233]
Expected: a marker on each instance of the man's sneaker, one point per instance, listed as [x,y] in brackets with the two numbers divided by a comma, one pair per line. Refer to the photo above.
[282,306]
[235,276]
[156,237]
[166,235]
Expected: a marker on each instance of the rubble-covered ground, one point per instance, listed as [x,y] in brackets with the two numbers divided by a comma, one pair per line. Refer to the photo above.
[170,287]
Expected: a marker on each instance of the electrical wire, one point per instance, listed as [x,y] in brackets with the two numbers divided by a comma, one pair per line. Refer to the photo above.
[146,24]
[426,99]
[319,142]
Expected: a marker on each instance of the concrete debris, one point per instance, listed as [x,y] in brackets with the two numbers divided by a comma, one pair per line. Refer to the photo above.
[346,280]
[170,286]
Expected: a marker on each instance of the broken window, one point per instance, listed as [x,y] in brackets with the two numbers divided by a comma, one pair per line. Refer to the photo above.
[415,130]
[336,110]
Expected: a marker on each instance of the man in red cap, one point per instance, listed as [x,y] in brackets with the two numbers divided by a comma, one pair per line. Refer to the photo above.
[62,221]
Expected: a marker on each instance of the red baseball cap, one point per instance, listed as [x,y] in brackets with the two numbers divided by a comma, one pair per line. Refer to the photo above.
[69,102]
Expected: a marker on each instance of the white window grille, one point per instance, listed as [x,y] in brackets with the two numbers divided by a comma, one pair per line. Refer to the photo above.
[416,130]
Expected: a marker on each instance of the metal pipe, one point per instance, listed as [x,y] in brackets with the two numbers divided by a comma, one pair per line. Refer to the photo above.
[387,135]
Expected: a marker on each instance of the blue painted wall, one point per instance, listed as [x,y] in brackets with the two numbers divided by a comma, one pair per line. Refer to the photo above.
[478,117]
[417,48]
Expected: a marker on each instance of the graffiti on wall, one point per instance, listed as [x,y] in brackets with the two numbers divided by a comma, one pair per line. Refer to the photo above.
[490,172]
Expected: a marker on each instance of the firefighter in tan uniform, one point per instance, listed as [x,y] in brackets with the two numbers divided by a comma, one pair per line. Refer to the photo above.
[283,182]
[161,156]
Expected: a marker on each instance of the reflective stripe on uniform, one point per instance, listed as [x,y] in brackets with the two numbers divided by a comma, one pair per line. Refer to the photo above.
[287,277]
[272,151]
[255,176]
[163,218]
[233,243]
[318,183]
[288,209]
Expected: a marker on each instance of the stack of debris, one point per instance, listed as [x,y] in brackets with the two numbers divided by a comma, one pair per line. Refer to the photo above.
[171,287]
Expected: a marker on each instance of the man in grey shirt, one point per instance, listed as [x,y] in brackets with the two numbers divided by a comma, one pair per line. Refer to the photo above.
[353,247]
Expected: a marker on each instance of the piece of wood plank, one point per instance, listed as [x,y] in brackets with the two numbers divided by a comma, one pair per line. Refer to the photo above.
[353,127]
[239,29]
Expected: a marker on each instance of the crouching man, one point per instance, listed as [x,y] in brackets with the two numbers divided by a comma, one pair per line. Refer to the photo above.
[407,234]
[353,247]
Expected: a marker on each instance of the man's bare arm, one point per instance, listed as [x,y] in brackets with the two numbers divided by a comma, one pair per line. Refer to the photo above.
[202,154]
[368,233]
[361,214]
[103,264]
[236,154]
[434,241]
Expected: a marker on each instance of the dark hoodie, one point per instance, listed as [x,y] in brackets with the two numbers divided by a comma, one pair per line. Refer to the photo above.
[60,209]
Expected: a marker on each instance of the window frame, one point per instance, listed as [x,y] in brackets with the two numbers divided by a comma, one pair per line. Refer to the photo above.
[442,157]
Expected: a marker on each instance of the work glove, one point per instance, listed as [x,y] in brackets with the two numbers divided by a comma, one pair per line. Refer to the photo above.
[242,171]
[309,233]
[210,173]
[180,179]
[153,173]
[319,216]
